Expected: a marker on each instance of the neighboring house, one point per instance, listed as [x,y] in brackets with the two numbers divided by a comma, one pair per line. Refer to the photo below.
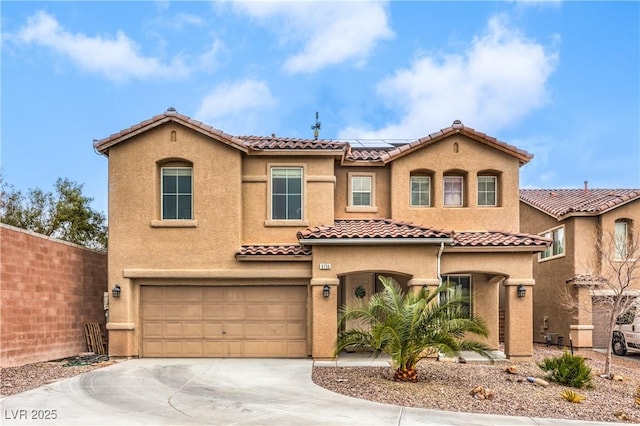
[578,221]
[230,246]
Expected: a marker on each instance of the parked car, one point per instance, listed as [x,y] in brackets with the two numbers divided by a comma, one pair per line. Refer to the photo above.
[626,334]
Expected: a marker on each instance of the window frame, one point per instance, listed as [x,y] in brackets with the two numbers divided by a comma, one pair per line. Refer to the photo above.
[621,249]
[271,203]
[420,194]
[445,180]
[551,251]
[443,296]
[177,194]
[494,178]
[351,207]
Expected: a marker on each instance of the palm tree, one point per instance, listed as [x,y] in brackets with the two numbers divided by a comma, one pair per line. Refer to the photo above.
[410,327]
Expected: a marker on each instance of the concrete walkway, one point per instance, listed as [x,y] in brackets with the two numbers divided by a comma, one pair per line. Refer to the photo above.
[218,392]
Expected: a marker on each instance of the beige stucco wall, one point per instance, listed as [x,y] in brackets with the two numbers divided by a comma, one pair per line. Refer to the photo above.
[382,192]
[471,158]
[318,198]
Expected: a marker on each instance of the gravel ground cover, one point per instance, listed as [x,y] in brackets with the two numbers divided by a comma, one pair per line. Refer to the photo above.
[447,386]
[19,379]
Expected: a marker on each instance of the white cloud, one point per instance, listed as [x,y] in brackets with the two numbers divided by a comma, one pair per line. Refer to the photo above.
[499,79]
[237,106]
[330,33]
[116,58]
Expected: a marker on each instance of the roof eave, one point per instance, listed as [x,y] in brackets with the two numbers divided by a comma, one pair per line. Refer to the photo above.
[274,257]
[471,249]
[377,241]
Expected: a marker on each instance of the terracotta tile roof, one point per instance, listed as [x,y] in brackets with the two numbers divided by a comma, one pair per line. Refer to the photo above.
[568,202]
[272,142]
[586,279]
[498,239]
[371,229]
[366,154]
[170,114]
[457,127]
[275,250]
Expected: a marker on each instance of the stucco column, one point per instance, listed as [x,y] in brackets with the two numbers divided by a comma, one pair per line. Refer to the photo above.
[324,318]
[582,329]
[485,305]
[518,321]
[120,326]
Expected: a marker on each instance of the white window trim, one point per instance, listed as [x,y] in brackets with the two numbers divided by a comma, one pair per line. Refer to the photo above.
[444,193]
[286,222]
[564,244]
[419,206]
[361,209]
[495,185]
[174,221]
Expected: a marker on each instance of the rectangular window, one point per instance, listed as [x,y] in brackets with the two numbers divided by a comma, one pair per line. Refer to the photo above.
[557,247]
[621,239]
[420,191]
[460,285]
[177,193]
[361,191]
[487,191]
[286,193]
[453,191]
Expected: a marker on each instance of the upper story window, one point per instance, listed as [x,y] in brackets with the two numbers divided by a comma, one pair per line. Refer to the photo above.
[361,191]
[362,195]
[487,191]
[286,193]
[420,191]
[622,238]
[453,191]
[557,247]
[177,193]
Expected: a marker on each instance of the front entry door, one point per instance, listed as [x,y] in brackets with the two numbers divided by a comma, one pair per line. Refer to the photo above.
[358,286]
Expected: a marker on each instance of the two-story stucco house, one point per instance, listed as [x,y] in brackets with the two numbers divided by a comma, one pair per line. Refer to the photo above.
[579,222]
[230,246]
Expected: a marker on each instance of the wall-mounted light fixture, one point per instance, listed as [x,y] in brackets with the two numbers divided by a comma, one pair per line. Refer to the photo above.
[116,290]
[326,290]
[522,291]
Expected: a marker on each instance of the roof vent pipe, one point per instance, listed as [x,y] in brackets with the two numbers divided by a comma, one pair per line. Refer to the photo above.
[586,185]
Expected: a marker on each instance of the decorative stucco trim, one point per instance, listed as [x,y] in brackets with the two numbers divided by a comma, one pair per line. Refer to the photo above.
[323,281]
[423,282]
[216,273]
[581,327]
[121,326]
[518,281]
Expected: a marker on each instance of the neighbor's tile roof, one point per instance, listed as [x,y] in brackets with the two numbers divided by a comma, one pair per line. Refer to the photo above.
[275,250]
[370,229]
[498,239]
[564,202]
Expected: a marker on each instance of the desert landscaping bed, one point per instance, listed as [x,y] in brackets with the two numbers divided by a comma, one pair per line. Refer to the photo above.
[448,386]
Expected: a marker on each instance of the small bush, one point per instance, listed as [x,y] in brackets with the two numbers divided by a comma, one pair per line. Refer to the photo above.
[568,370]
[572,396]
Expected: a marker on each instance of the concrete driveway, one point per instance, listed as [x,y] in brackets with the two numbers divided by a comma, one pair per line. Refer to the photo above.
[216,392]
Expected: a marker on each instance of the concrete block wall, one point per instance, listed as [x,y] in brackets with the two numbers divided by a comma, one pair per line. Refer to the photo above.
[48,290]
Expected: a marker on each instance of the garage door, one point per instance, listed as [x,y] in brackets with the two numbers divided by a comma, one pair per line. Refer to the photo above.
[185,321]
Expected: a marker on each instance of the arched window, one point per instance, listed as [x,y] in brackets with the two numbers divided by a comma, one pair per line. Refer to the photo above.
[420,188]
[622,238]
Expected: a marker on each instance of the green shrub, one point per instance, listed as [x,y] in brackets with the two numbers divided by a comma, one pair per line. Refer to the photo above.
[568,370]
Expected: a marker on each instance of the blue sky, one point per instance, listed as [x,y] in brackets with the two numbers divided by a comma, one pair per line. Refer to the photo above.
[558,79]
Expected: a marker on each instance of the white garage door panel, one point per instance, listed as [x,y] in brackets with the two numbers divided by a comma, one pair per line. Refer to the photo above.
[185,321]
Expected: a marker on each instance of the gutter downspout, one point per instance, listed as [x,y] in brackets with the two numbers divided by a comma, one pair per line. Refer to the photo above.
[438,263]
